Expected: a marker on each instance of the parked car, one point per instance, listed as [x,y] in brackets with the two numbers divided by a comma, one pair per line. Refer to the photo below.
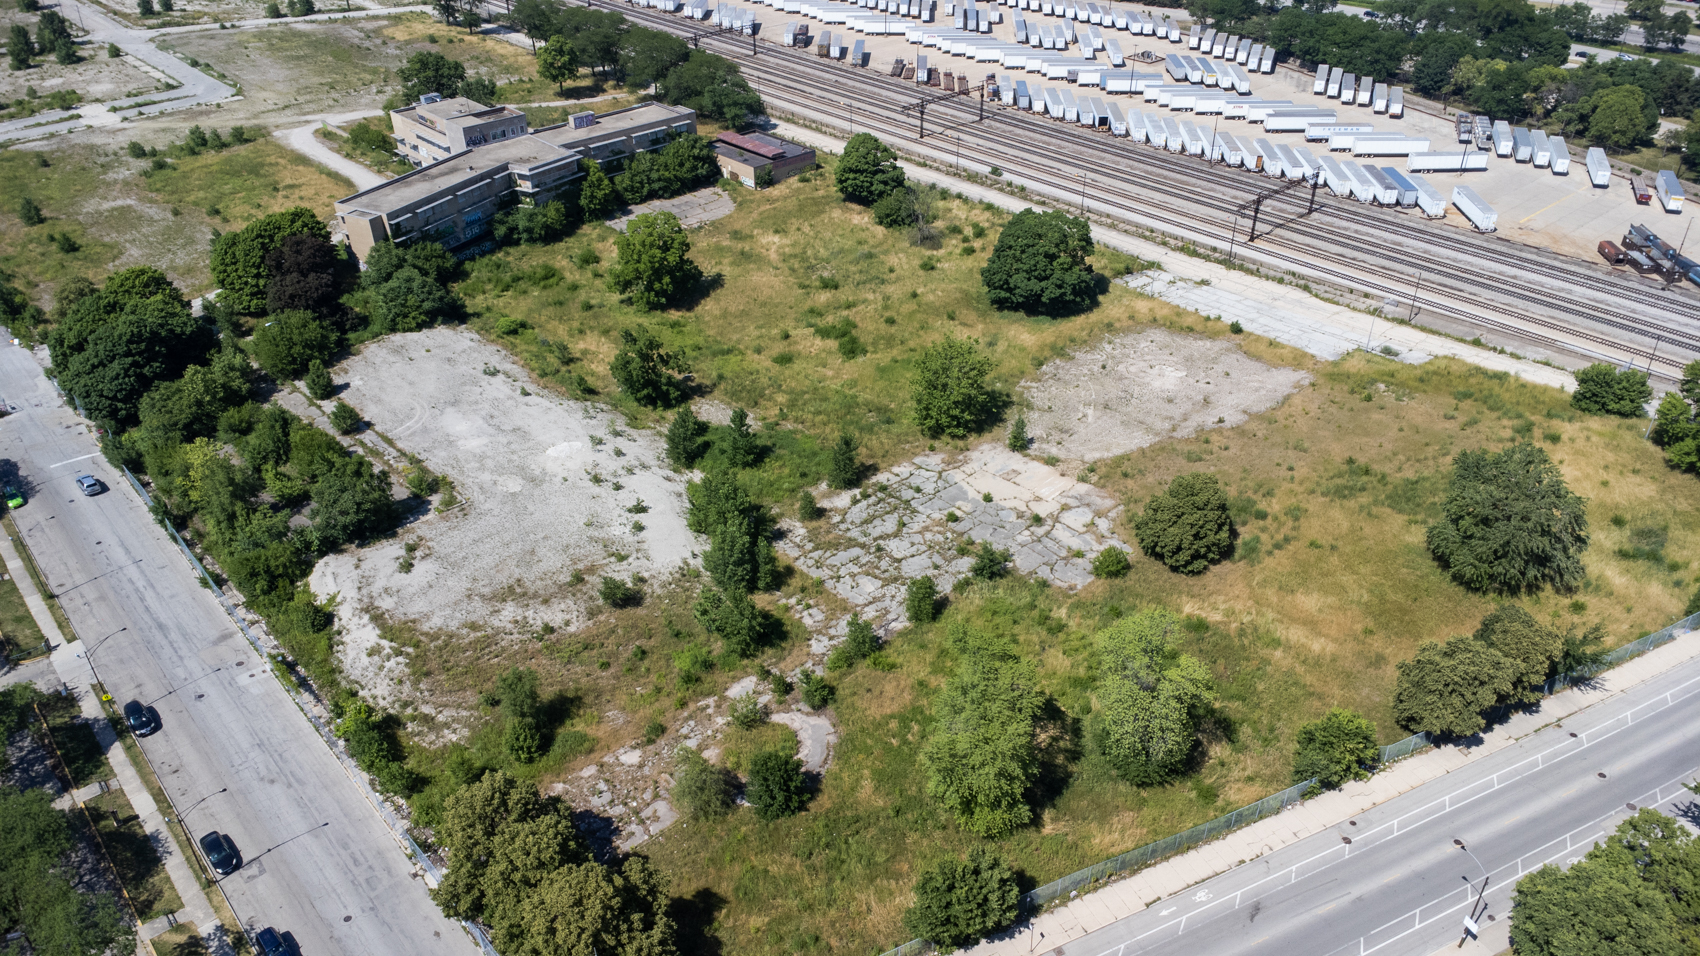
[221,853]
[14,497]
[143,720]
[90,485]
[270,943]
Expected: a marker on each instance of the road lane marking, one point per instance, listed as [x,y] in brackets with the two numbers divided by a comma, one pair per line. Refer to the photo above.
[71,460]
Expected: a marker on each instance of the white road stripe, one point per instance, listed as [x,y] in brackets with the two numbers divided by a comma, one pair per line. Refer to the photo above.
[70,460]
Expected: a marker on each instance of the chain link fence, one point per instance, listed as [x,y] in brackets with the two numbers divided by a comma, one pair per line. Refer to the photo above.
[1169,846]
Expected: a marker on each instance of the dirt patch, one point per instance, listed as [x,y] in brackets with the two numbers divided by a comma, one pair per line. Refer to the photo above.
[97,77]
[1137,389]
[549,487]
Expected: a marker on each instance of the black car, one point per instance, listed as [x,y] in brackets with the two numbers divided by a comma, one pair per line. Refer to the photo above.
[270,943]
[143,720]
[221,853]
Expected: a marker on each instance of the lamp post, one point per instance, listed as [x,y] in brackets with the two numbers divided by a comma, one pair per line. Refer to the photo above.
[1470,927]
[183,815]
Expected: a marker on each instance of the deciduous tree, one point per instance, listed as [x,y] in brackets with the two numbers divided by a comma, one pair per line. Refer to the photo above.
[239,258]
[288,344]
[643,369]
[980,757]
[867,170]
[430,72]
[1187,527]
[1335,748]
[712,86]
[948,389]
[958,902]
[1447,688]
[1603,389]
[653,266]
[1039,265]
[775,785]
[1150,696]
[1533,649]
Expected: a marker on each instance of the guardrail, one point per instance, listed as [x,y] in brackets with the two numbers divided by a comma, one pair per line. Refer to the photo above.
[1152,852]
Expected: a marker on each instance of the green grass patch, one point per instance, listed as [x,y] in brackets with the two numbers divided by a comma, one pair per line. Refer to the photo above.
[74,742]
[235,186]
[19,634]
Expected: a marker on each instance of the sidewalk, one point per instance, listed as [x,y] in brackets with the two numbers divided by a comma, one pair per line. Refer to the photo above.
[74,670]
[1280,311]
[1134,893]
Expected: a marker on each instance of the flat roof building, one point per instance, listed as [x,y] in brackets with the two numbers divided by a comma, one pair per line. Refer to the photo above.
[742,156]
[434,129]
[454,200]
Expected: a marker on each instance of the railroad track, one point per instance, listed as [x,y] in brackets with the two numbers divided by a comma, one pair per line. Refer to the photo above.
[1157,186]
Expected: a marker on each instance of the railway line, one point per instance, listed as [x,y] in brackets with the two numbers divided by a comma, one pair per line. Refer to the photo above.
[1548,300]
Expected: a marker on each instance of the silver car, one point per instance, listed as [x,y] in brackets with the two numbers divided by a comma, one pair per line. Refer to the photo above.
[91,485]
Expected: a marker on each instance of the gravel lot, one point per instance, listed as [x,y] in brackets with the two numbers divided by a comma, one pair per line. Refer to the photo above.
[526,467]
[1135,390]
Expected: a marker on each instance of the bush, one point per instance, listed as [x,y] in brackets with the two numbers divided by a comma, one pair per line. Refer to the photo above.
[1187,527]
[531,225]
[1335,749]
[1149,694]
[1039,265]
[685,438]
[859,642]
[807,509]
[619,594]
[816,692]
[920,601]
[344,418]
[702,790]
[291,343]
[748,713]
[948,389]
[1446,688]
[961,902]
[1018,440]
[990,562]
[1603,389]
[318,381]
[867,171]
[1510,525]
[29,212]
[893,210]
[774,786]
[1111,562]
[522,740]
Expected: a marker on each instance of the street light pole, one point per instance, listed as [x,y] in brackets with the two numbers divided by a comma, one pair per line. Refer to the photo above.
[1470,921]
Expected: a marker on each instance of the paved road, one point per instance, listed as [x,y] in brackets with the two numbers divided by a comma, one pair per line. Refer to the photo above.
[302,140]
[320,865]
[1401,886]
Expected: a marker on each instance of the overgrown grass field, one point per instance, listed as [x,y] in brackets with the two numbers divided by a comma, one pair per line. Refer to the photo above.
[1332,584]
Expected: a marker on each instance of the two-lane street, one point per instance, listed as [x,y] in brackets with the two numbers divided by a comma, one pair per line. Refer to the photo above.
[235,753]
[1399,879]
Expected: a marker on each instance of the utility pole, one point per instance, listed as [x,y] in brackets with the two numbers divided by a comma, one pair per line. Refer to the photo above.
[1413,313]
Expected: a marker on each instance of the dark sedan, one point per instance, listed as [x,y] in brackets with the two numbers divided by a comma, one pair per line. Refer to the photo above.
[221,853]
[142,719]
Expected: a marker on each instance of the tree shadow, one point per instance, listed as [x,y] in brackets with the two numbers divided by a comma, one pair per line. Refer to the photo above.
[1060,739]
[601,832]
[696,294]
[11,476]
[695,917]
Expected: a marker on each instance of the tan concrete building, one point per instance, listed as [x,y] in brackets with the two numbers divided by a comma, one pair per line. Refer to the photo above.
[434,129]
[743,155]
[454,200]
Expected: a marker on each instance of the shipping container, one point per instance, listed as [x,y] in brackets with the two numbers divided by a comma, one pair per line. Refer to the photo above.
[1268,60]
[1094,14]
[1319,85]
[1096,36]
[1540,149]
[1172,63]
[1396,102]
[1114,50]
[1599,168]
[1348,87]
[1156,131]
[1194,140]
[1209,73]
[1268,161]
[1480,214]
[1023,96]
[1118,122]
[1336,76]
[1366,90]
[1407,189]
[1429,199]
[1380,98]
[1522,145]
[1297,121]
[823,46]
[1611,253]
[1466,128]
[1669,190]
[1363,188]
[1560,156]
[1455,161]
[1071,108]
[1053,103]
[1195,38]
[1386,192]
[1121,18]
[1020,30]
[1504,143]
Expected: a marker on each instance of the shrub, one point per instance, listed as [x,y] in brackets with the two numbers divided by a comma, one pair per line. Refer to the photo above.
[642,368]
[1111,562]
[980,756]
[990,562]
[1187,527]
[948,390]
[920,601]
[684,438]
[859,642]
[522,740]
[1335,748]
[748,713]
[1149,694]
[702,790]
[619,594]
[1603,389]
[807,509]
[816,692]
[509,325]
[1510,525]
[961,902]
[29,212]
[344,418]
[1446,688]
[774,786]
[893,210]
